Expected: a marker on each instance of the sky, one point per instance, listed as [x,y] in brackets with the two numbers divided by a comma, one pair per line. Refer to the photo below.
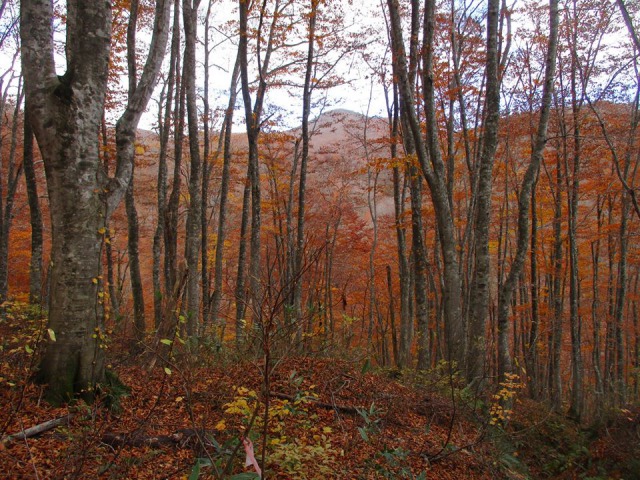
[356,94]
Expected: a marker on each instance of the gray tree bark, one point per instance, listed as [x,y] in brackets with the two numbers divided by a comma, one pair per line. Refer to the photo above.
[304,159]
[479,298]
[224,198]
[507,289]
[194,221]
[35,215]
[65,113]
[430,159]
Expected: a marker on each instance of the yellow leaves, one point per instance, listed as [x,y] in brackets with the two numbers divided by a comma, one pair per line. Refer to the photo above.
[52,334]
[220,426]
[499,411]
[240,404]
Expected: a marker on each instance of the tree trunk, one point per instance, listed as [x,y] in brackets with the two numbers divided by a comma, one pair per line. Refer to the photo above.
[555,377]
[507,290]
[399,183]
[224,196]
[164,121]
[420,265]
[433,169]
[194,221]
[476,351]
[35,215]
[13,175]
[65,113]
[304,159]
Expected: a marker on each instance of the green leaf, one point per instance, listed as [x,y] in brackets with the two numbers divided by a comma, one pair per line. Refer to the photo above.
[167,370]
[166,341]
[245,476]
[363,434]
[28,349]
[366,367]
[52,334]
[195,471]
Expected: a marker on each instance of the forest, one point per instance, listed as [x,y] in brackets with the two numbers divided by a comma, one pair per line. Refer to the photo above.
[319,239]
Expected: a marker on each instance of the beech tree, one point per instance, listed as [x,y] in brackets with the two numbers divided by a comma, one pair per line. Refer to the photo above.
[430,159]
[66,113]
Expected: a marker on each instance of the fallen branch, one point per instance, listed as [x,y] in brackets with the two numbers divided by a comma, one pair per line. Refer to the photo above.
[338,408]
[36,430]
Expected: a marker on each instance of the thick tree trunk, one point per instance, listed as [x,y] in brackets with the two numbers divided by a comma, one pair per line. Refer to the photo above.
[66,113]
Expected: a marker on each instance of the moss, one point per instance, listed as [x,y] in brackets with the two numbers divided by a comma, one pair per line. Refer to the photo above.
[112,391]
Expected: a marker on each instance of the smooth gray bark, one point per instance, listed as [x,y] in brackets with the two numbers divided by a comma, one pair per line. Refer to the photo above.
[479,298]
[35,216]
[194,221]
[430,159]
[507,289]
[65,113]
[224,199]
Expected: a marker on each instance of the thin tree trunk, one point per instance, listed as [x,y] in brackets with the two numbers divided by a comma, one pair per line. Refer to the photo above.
[35,215]
[13,176]
[206,173]
[479,307]
[164,121]
[194,221]
[433,169]
[595,312]
[555,377]
[129,200]
[171,220]
[224,196]
[304,159]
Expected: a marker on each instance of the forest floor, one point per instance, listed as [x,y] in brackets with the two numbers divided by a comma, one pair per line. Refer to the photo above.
[328,418]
